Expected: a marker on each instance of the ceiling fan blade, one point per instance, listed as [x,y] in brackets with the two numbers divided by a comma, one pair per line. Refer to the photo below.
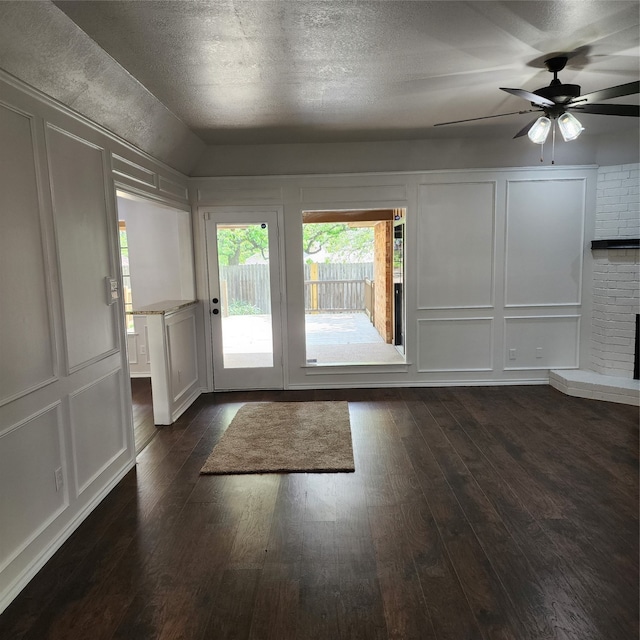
[525,129]
[632,110]
[531,97]
[606,94]
[498,115]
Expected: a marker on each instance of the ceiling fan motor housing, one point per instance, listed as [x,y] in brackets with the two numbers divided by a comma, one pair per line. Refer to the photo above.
[559,93]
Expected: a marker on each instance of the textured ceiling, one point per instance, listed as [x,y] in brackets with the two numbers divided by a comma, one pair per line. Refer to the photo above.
[262,71]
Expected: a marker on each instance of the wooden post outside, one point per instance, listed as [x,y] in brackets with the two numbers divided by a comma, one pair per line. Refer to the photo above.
[313,276]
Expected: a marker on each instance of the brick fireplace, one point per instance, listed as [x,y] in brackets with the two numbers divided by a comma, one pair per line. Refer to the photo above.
[616,293]
[616,271]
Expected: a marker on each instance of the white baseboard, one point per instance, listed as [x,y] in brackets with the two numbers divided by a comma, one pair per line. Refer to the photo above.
[416,384]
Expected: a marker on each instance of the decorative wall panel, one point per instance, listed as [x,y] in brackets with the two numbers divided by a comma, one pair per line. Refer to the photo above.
[541,342]
[172,188]
[181,342]
[82,235]
[28,493]
[27,354]
[97,427]
[455,344]
[125,168]
[544,242]
[456,230]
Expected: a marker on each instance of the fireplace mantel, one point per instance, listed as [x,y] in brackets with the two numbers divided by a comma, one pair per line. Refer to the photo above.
[616,243]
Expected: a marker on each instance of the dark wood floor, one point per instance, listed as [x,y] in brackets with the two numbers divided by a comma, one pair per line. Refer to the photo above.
[505,512]
[143,427]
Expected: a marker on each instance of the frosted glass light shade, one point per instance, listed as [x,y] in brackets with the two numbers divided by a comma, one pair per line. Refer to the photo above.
[569,126]
[540,130]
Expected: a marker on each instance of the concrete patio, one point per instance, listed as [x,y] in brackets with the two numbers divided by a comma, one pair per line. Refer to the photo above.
[332,339]
[346,338]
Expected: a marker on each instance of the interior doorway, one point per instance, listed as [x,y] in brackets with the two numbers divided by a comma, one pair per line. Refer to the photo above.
[157,264]
[354,273]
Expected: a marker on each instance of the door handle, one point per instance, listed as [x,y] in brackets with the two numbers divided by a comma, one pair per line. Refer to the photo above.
[215,311]
[215,300]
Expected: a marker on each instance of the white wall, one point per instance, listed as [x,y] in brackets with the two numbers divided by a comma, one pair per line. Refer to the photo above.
[413,155]
[160,255]
[65,407]
[494,268]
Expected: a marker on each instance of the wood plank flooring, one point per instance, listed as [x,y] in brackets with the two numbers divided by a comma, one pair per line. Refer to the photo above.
[474,513]
[144,428]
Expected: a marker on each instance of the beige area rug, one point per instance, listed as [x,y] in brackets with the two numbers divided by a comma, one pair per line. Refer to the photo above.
[268,437]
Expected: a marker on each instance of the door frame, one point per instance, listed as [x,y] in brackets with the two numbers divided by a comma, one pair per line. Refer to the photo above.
[210,215]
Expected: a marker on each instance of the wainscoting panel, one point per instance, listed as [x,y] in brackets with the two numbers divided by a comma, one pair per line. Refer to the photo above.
[544,242]
[456,231]
[26,314]
[97,432]
[82,235]
[28,494]
[181,343]
[455,344]
[541,342]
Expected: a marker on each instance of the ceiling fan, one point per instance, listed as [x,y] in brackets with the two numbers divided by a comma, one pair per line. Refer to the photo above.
[558,100]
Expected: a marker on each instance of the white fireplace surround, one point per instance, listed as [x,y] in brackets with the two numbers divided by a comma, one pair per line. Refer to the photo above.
[616,290]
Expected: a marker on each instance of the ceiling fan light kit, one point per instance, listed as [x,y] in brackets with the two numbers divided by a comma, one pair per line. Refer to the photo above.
[540,130]
[556,101]
[569,126]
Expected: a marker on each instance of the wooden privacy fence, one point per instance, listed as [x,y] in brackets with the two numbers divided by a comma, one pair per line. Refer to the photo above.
[246,289]
[329,288]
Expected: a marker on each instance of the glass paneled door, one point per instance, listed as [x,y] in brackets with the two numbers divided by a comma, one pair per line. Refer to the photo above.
[244,298]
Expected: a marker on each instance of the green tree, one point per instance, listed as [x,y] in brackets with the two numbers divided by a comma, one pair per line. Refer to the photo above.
[316,236]
[237,244]
[339,241]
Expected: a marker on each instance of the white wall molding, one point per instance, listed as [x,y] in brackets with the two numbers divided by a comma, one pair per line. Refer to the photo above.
[122,147]
[97,427]
[465,343]
[328,192]
[456,245]
[131,171]
[544,240]
[83,247]
[49,547]
[24,254]
[541,342]
[45,477]
[66,212]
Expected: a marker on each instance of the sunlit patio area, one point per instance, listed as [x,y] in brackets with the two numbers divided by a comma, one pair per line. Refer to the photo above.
[346,338]
[332,339]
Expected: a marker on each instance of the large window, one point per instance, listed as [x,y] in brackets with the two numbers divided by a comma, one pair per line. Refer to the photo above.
[126,275]
[353,268]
